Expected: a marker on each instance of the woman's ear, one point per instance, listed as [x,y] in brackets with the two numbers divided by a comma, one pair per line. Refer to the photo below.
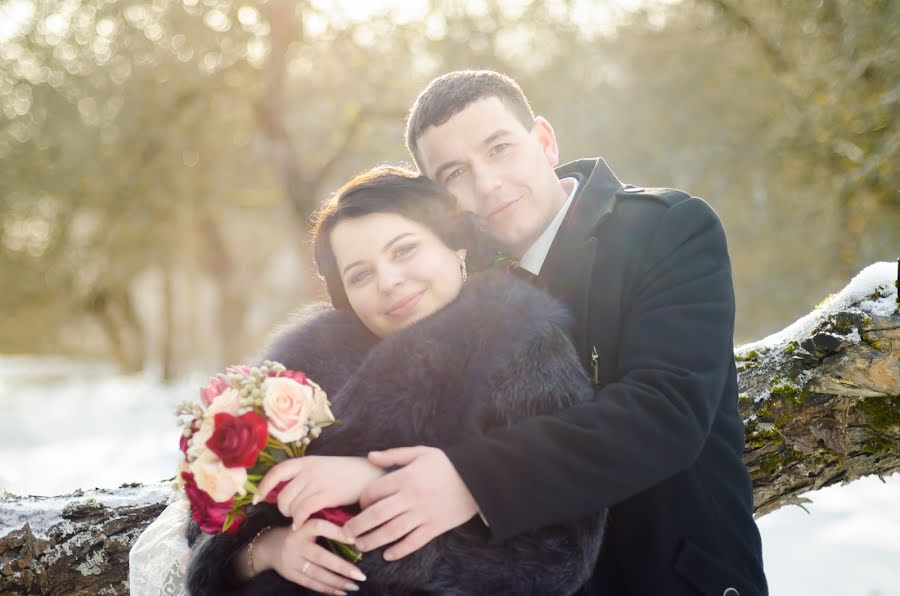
[461,253]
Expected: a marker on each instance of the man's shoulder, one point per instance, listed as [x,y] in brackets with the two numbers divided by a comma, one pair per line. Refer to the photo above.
[666,197]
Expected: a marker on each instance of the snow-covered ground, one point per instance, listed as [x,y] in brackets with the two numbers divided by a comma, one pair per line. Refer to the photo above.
[66,425]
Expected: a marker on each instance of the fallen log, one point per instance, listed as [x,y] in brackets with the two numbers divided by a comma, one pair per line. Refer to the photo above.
[820,402]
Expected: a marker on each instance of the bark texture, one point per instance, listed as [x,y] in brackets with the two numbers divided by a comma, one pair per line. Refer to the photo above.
[820,401]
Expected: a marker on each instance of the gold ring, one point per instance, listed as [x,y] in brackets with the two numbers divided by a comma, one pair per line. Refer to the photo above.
[305,567]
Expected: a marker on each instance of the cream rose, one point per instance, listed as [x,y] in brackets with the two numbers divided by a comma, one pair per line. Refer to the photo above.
[288,406]
[229,401]
[213,478]
[321,412]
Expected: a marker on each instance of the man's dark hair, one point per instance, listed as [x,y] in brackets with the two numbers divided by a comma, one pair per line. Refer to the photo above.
[449,94]
[389,189]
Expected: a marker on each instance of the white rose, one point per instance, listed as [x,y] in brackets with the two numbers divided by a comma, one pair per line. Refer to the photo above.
[321,412]
[213,478]
[288,405]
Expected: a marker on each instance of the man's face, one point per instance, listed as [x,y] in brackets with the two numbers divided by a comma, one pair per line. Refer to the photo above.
[497,169]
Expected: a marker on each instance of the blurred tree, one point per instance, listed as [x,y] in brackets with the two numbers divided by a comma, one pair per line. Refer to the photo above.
[159,158]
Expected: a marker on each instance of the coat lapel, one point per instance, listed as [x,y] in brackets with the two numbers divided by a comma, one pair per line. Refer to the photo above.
[566,272]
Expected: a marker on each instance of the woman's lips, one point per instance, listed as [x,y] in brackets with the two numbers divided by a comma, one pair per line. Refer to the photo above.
[405,306]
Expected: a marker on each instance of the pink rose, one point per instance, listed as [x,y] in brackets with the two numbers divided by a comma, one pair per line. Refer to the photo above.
[287,405]
[216,386]
[293,374]
[216,480]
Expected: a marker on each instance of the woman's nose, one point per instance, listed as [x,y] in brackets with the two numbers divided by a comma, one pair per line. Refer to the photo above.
[389,277]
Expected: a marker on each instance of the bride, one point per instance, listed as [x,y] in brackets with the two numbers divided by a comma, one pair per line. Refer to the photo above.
[423,345]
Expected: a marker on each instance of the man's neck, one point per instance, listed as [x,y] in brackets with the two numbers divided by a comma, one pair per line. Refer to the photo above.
[563,191]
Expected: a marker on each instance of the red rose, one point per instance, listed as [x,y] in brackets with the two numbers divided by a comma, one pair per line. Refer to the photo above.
[209,515]
[335,515]
[237,440]
[272,497]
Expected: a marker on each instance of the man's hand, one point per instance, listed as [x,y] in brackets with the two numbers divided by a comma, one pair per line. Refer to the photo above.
[420,501]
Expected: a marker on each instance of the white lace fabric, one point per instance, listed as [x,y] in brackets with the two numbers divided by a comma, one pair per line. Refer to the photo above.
[159,558]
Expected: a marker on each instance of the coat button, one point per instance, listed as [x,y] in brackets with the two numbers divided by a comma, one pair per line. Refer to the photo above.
[731,592]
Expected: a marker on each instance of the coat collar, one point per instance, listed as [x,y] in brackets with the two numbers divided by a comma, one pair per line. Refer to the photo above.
[567,269]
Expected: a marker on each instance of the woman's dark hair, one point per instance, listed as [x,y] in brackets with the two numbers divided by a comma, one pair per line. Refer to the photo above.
[389,189]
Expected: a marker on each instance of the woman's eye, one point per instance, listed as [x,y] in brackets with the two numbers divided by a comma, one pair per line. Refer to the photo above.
[453,175]
[404,250]
[359,277]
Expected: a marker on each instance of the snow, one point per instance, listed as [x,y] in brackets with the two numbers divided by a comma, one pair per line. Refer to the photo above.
[67,426]
[879,277]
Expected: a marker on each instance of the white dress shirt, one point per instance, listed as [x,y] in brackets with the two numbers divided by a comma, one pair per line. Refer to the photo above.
[534,257]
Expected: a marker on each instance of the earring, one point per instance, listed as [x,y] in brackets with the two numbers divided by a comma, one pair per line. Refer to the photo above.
[462,268]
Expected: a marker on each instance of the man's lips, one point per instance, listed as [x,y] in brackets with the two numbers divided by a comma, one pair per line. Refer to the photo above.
[502,207]
[404,305]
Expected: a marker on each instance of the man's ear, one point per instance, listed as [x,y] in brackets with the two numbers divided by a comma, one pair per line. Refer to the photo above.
[546,138]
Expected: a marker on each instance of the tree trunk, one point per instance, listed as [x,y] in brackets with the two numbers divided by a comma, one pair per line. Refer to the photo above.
[820,401]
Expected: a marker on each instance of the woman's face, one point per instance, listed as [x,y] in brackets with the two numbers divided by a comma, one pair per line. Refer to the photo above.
[395,270]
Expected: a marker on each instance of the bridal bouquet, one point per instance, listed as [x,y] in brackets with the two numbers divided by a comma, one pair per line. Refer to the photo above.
[248,420]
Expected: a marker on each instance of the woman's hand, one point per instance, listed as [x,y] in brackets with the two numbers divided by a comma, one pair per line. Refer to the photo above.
[316,482]
[296,557]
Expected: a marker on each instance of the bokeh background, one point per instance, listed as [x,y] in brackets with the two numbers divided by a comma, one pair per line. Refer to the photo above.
[160,159]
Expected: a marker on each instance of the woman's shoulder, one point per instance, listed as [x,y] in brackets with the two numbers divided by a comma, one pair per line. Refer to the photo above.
[318,329]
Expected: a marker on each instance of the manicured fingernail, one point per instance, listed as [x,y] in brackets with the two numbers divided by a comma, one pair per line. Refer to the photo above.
[358,576]
[388,556]
[255,499]
[351,587]
[349,539]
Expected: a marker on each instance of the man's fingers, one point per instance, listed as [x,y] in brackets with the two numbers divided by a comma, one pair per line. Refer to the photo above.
[415,540]
[390,532]
[380,489]
[400,456]
[381,512]
[280,472]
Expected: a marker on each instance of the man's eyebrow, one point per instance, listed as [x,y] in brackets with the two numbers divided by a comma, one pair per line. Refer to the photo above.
[386,247]
[497,134]
[494,136]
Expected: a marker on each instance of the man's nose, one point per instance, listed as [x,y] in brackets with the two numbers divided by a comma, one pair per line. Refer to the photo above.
[487,181]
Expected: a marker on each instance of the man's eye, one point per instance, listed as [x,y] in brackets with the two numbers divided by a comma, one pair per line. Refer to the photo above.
[500,148]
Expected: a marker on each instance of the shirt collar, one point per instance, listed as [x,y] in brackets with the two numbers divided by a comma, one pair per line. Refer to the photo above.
[534,257]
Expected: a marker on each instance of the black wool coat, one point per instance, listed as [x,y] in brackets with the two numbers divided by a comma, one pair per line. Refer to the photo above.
[646,274]
[497,354]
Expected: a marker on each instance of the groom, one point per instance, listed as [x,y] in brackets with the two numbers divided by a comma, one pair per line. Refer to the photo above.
[647,276]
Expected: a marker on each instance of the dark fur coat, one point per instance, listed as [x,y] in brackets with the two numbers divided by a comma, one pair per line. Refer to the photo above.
[497,354]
